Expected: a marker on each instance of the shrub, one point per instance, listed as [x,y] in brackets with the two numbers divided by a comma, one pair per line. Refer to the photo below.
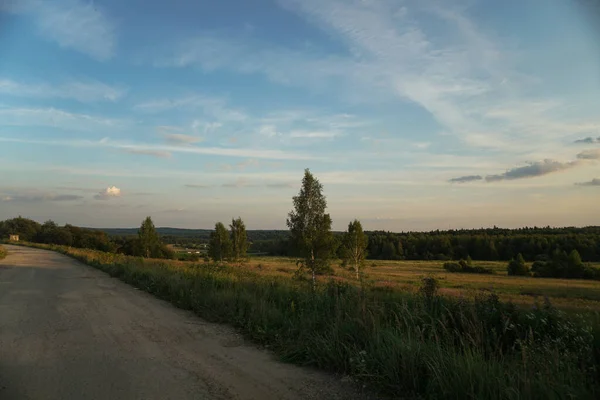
[466,266]
[517,266]
[2,252]
[561,265]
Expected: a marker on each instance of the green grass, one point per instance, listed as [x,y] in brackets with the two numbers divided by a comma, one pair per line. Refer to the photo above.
[3,252]
[400,343]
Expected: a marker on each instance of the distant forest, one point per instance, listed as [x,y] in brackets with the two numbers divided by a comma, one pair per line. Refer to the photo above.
[480,244]
[493,244]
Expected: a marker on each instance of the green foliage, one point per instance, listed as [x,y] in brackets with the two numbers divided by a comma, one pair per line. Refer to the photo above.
[51,233]
[467,267]
[561,265]
[405,345]
[310,227]
[354,247]
[219,247]
[3,252]
[26,229]
[239,239]
[517,266]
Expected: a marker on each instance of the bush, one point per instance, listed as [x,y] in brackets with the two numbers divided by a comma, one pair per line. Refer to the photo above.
[3,252]
[466,266]
[564,266]
[517,266]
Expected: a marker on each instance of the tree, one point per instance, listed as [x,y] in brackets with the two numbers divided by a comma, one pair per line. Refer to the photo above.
[219,246]
[310,227]
[149,241]
[517,266]
[354,246]
[239,239]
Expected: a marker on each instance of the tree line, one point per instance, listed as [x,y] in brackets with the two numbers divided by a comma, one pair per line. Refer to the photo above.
[310,229]
[485,245]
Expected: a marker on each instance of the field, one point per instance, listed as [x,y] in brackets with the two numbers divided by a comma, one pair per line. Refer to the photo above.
[566,294]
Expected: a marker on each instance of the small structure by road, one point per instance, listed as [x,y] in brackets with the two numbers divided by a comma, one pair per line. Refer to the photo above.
[13,238]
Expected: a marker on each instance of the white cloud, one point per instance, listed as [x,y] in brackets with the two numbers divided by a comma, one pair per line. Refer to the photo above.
[88,91]
[108,193]
[80,25]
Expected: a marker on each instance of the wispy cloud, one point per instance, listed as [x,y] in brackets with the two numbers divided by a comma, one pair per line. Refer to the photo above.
[260,153]
[34,198]
[197,186]
[153,153]
[215,107]
[466,78]
[314,134]
[467,178]
[589,155]
[83,91]
[108,193]
[593,182]
[532,170]
[78,25]
[52,117]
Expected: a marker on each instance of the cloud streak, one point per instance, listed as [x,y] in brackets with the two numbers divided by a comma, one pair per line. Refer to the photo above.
[153,153]
[258,153]
[467,178]
[35,198]
[588,140]
[534,169]
[593,182]
[90,91]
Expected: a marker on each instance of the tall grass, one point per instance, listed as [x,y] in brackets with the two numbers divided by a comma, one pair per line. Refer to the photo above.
[3,252]
[406,345]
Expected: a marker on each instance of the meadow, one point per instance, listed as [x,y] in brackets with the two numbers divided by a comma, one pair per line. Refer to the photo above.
[565,294]
[395,334]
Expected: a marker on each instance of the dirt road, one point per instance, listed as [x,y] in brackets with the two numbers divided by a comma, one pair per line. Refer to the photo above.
[68,331]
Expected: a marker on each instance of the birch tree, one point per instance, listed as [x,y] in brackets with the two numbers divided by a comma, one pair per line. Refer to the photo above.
[354,246]
[310,227]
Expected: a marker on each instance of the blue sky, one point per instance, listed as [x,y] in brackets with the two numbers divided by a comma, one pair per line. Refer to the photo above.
[414,115]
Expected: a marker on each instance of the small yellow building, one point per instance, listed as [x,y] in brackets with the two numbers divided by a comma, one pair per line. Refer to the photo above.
[14,238]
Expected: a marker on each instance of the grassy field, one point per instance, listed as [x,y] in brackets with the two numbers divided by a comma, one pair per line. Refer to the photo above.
[403,343]
[566,294]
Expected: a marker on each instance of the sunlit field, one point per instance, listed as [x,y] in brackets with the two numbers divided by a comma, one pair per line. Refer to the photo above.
[566,294]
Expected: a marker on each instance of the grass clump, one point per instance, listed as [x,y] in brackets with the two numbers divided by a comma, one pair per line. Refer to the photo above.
[404,344]
[3,252]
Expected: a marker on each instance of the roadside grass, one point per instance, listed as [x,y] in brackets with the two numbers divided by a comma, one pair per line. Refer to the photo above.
[3,252]
[402,343]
